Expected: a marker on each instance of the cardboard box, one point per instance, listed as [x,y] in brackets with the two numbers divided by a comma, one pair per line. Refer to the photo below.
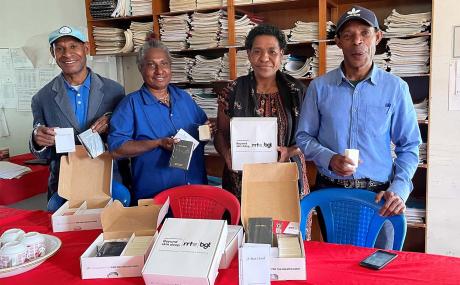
[271,190]
[234,241]
[86,183]
[187,252]
[253,140]
[119,222]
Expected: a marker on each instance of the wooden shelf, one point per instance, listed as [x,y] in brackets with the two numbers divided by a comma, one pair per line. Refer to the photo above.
[276,5]
[416,225]
[140,18]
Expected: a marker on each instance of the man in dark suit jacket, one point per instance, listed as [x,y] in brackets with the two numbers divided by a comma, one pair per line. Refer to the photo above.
[77,98]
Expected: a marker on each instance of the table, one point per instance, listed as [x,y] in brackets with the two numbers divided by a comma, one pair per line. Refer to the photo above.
[30,184]
[326,263]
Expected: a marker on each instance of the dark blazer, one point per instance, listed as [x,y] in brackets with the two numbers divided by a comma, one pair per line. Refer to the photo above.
[51,107]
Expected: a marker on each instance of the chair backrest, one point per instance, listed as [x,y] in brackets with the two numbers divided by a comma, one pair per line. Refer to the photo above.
[201,202]
[121,193]
[351,216]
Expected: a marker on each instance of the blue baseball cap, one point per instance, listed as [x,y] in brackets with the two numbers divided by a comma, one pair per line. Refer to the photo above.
[66,31]
[358,13]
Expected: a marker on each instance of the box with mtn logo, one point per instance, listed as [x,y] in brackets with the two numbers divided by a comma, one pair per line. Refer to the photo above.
[187,251]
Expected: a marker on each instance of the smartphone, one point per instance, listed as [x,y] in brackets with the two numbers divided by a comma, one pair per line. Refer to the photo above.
[378,259]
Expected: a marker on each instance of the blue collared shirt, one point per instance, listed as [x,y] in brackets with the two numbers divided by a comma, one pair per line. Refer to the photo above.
[336,116]
[79,99]
[140,116]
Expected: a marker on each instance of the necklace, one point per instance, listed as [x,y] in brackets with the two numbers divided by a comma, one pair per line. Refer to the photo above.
[164,99]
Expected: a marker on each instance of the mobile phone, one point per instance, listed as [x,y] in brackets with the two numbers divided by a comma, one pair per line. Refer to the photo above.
[378,259]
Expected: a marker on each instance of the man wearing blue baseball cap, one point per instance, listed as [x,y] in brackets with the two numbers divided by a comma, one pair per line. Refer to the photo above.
[77,98]
[361,107]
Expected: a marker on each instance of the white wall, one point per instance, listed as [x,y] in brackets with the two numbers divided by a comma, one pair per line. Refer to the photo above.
[443,197]
[20,20]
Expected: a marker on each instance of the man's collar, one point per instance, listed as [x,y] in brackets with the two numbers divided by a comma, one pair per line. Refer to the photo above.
[371,76]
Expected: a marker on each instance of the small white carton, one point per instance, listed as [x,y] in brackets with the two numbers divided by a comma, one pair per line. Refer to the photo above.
[86,184]
[271,190]
[127,223]
[234,240]
[186,252]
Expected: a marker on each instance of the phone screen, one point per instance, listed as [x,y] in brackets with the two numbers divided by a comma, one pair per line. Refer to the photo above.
[378,259]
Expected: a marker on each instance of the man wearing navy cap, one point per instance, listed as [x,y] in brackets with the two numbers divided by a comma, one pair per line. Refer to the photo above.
[360,106]
[77,98]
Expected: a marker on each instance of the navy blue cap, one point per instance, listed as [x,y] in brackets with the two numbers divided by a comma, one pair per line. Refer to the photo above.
[358,13]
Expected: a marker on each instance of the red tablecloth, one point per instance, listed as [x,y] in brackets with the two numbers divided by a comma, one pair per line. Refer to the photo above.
[31,184]
[326,263]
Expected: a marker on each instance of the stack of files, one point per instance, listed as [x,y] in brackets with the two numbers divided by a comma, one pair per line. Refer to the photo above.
[10,170]
[205,30]
[409,56]
[334,57]
[204,4]
[180,68]
[140,31]
[206,69]
[415,211]
[242,63]
[400,25]
[225,69]
[102,8]
[422,156]
[206,99]
[123,9]
[381,60]
[421,109]
[304,31]
[181,5]
[299,67]
[174,31]
[243,24]
[112,40]
[141,7]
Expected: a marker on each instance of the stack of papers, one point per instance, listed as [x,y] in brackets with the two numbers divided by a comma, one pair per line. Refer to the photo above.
[243,24]
[422,157]
[112,40]
[415,211]
[381,60]
[102,8]
[140,31]
[421,109]
[334,57]
[123,9]
[180,68]
[206,99]
[10,170]
[242,63]
[181,5]
[266,1]
[206,69]
[205,31]
[409,56]
[300,67]
[141,7]
[224,73]
[204,4]
[399,25]
[174,31]
[304,31]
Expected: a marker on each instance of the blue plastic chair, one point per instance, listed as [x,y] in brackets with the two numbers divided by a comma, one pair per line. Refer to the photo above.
[121,193]
[351,216]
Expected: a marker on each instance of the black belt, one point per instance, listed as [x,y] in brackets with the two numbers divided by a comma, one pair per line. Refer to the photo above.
[323,181]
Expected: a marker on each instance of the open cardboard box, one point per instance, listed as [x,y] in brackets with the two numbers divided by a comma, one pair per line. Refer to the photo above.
[119,222]
[86,183]
[234,241]
[271,190]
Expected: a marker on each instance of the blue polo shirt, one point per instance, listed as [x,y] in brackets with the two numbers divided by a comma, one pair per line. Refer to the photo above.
[79,99]
[140,116]
[336,115]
